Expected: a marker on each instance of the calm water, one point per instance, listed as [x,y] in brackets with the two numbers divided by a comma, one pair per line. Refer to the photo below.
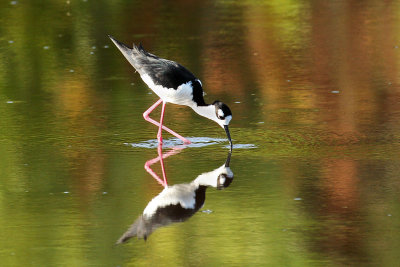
[314,88]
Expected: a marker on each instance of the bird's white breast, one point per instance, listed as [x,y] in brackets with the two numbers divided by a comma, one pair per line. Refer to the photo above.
[183,95]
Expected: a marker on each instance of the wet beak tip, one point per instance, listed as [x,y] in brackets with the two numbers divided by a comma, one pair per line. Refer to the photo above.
[228,135]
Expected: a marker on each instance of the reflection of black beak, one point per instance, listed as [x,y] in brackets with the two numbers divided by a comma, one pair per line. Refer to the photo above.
[228,160]
[228,135]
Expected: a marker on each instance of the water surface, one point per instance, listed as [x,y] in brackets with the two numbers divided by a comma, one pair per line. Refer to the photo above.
[314,90]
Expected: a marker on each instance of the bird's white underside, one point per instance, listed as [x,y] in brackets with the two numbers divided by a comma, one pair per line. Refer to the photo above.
[181,96]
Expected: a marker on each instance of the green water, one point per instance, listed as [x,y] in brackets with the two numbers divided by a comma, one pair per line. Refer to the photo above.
[314,90]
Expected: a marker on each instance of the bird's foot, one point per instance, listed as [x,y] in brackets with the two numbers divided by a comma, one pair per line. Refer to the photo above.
[186,142]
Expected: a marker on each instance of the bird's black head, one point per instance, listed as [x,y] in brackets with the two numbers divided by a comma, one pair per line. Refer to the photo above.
[223,112]
[224,116]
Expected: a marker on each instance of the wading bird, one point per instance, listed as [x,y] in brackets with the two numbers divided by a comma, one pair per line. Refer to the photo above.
[173,83]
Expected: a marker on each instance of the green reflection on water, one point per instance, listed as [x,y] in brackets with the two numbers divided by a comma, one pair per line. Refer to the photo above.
[313,88]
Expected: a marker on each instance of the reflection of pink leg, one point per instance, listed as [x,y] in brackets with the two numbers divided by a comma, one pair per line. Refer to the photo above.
[147,118]
[160,158]
[152,173]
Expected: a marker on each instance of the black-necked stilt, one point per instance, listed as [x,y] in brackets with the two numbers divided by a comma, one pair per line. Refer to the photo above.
[178,202]
[173,83]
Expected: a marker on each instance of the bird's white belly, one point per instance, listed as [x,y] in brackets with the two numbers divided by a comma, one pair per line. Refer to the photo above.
[183,95]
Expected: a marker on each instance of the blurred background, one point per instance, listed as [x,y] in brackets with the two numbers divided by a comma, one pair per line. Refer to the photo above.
[314,88]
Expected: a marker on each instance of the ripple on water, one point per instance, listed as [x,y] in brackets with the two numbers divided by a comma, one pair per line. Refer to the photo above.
[243,146]
[196,142]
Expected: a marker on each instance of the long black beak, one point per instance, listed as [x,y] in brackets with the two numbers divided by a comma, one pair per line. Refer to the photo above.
[228,135]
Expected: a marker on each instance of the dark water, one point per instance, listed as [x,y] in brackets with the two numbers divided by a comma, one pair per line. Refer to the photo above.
[314,88]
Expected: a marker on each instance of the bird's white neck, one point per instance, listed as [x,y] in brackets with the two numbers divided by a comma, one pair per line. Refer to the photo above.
[206,111]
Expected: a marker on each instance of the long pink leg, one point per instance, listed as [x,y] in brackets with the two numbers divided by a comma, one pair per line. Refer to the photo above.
[159,135]
[147,118]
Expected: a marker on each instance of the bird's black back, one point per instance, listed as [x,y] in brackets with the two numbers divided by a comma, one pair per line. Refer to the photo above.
[173,213]
[163,72]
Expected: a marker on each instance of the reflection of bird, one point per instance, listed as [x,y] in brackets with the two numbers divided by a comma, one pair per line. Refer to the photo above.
[173,83]
[178,203]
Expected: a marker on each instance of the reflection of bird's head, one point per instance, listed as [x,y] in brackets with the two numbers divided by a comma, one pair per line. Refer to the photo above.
[218,178]
[223,181]
[226,176]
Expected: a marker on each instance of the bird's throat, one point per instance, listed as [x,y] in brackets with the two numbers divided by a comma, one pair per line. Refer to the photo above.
[206,111]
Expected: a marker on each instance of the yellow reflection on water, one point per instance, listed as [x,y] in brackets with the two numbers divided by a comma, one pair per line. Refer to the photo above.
[314,90]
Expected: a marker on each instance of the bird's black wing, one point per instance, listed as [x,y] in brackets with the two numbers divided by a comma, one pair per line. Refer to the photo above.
[162,71]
